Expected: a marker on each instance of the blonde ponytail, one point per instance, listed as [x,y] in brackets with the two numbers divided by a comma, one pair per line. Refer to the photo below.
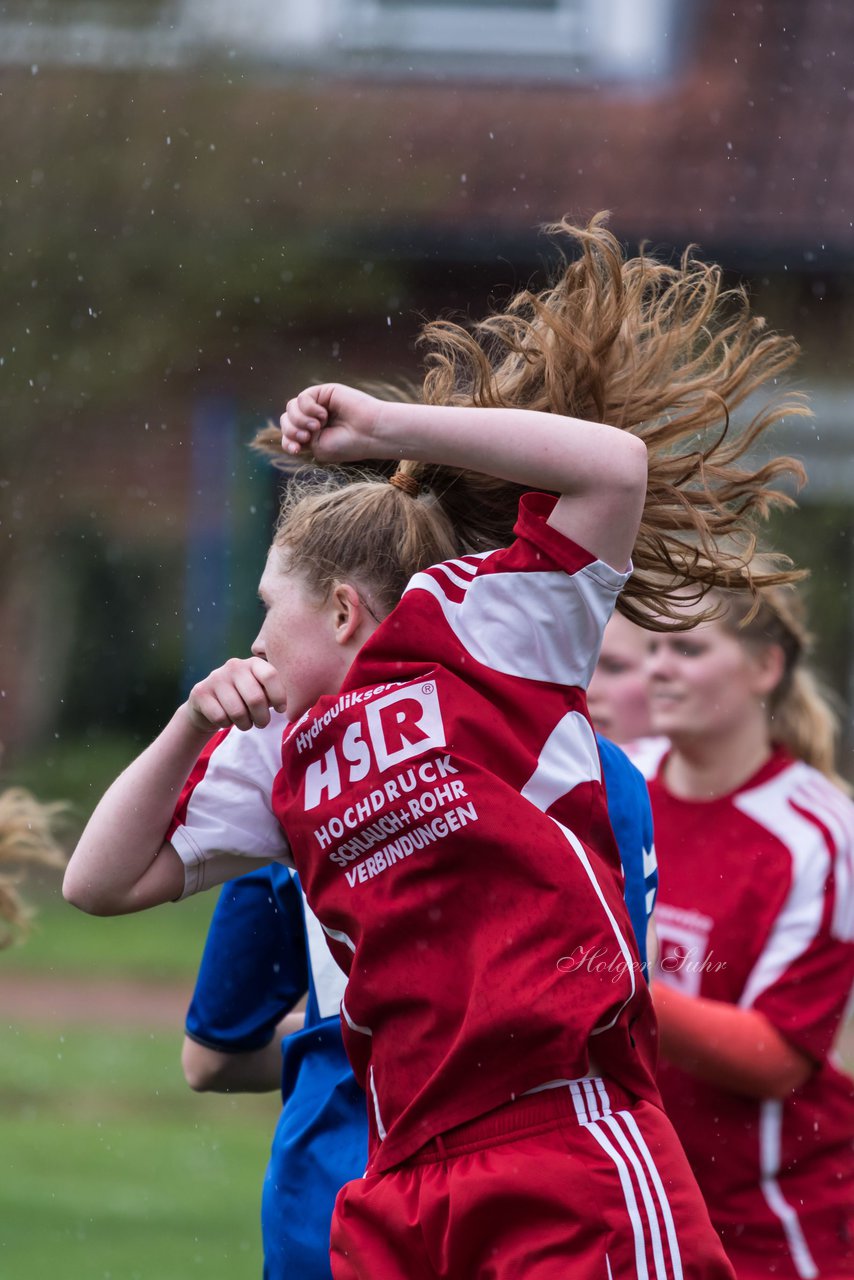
[804,721]
[801,714]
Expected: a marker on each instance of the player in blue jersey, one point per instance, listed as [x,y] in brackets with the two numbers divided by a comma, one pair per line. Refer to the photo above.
[264,952]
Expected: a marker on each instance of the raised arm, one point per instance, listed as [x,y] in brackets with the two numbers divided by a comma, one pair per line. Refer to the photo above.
[599,470]
[122,862]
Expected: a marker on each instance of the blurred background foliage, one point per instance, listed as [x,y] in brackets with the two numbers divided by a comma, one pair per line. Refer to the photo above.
[184,245]
[203,207]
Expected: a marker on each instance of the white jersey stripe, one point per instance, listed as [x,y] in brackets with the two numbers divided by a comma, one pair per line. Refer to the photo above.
[466,565]
[354,1026]
[540,625]
[337,936]
[568,757]
[455,578]
[799,921]
[329,980]
[381,1130]
[578,849]
[655,1177]
[833,810]
[549,1084]
[770,1144]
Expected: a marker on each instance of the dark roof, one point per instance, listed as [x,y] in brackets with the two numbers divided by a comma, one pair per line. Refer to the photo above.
[747,148]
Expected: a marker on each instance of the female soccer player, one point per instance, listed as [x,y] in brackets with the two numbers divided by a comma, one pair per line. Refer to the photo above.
[264,951]
[755,919]
[439,787]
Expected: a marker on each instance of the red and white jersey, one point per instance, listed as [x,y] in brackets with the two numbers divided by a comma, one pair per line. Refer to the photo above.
[756,907]
[446,814]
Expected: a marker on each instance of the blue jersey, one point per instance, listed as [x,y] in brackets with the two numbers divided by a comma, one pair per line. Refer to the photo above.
[631,819]
[264,951]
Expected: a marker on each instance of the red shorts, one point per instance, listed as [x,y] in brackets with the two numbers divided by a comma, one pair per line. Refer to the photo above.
[572,1183]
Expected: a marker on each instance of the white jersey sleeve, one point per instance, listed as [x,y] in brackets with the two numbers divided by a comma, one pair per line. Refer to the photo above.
[224,822]
[536,610]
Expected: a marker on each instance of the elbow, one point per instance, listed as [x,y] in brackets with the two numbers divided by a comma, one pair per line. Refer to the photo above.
[633,467]
[785,1081]
[199,1080]
[80,892]
[201,1067]
[77,892]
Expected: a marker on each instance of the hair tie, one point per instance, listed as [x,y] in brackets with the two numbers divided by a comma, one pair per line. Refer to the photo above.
[402,480]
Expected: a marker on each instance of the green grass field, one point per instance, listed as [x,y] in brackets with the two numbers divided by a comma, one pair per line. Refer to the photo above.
[112,1168]
[158,945]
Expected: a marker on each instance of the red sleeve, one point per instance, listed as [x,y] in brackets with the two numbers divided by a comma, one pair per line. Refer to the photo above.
[809,1000]
[200,768]
[533,527]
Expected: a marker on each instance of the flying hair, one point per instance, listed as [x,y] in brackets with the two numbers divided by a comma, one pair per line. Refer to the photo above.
[27,837]
[666,352]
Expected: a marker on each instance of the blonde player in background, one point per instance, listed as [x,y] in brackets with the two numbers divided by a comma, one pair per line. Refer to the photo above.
[755,916]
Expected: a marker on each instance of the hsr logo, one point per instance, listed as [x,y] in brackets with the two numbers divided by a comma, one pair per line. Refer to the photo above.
[401,725]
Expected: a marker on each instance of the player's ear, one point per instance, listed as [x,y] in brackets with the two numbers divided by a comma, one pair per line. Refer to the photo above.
[348,612]
[769,663]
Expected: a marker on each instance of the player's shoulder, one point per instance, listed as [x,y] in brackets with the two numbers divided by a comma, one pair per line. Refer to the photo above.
[449,579]
[796,783]
[805,810]
[818,797]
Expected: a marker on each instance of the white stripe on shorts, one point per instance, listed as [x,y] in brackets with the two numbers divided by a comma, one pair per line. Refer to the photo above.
[593,1109]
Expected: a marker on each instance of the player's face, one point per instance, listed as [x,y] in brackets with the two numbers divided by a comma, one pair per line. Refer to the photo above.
[618,696]
[704,684]
[298,637]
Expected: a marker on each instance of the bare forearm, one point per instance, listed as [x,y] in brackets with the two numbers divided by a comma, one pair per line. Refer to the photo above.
[562,454]
[255,1071]
[120,863]
[599,471]
[733,1048]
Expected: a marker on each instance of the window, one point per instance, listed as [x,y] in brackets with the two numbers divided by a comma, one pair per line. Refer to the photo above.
[564,38]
